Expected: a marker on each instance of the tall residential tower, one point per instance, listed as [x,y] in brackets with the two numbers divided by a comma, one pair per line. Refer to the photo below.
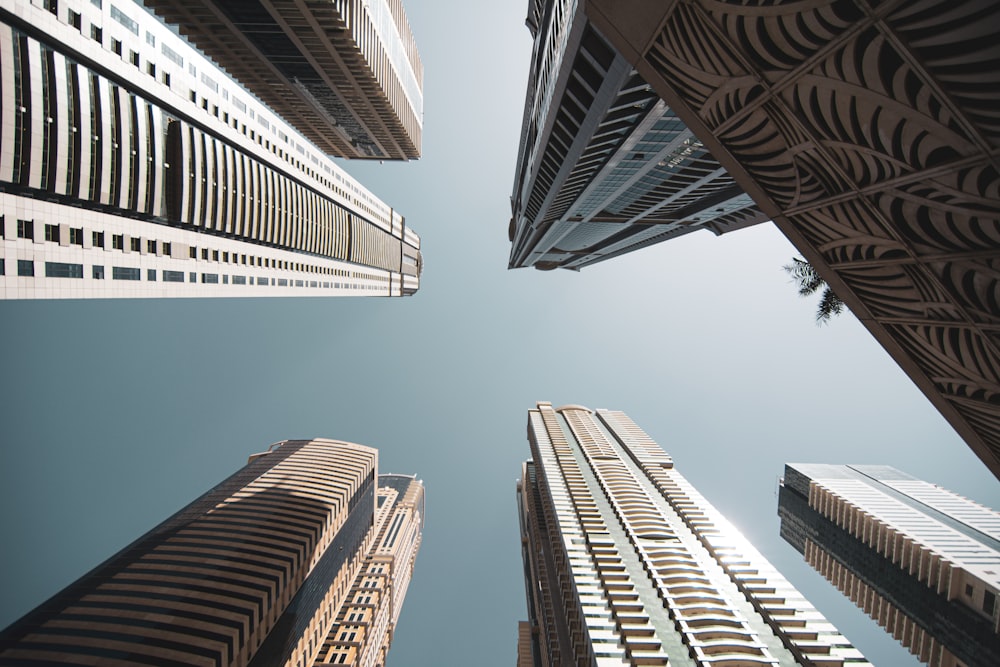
[627,564]
[132,166]
[604,166]
[302,557]
[345,72]
[921,560]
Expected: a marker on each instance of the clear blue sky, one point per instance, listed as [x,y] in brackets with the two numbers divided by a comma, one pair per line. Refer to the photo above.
[117,413]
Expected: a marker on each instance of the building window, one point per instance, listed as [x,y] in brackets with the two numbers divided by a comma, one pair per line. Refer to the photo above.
[989,602]
[150,38]
[150,69]
[97,239]
[135,244]
[192,277]
[74,19]
[125,20]
[210,278]
[239,280]
[97,272]
[969,590]
[215,255]
[63,270]
[96,34]
[173,276]
[125,273]
[118,242]
[166,249]
[165,78]
[25,267]
[52,233]
[116,46]
[151,275]
[134,58]
[204,253]
[76,235]
[193,252]
[26,229]
[151,246]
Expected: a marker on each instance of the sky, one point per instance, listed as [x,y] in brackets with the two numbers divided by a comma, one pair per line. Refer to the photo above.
[117,413]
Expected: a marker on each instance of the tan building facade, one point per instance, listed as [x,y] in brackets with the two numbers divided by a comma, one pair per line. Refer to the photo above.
[627,564]
[254,572]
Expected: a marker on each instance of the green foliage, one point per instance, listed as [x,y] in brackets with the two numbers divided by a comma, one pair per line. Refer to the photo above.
[810,282]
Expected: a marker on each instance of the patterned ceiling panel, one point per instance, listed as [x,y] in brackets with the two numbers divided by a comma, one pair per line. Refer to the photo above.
[870,131]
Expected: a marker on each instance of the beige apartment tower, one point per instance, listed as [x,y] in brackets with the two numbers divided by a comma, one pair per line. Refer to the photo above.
[302,557]
[627,564]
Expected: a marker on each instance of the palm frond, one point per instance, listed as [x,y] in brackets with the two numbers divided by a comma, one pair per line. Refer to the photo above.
[829,305]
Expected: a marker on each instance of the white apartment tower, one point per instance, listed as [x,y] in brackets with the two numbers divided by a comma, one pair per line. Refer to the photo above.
[627,564]
[132,166]
[922,561]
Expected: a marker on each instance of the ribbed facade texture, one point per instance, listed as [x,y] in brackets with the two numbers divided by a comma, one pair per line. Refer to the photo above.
[869,132]
[345,72]
[921,560]
[627,564]
[604,166]
[257,571]
[131,166]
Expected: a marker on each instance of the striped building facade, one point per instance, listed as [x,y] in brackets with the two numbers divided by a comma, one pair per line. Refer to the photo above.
[627,564]
[254,572]
[922,561]
[346,72]
[604,166]
[131,166]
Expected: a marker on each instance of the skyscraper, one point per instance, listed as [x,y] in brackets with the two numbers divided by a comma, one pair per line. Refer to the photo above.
[868,132]
[346,73]
[132,166]
[302,557]
[604,166]
[627,564]
[921,560]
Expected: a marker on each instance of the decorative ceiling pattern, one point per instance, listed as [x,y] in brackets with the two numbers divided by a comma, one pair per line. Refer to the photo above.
[870,132]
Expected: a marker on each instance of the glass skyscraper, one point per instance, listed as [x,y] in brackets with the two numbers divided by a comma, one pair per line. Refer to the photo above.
[604,166]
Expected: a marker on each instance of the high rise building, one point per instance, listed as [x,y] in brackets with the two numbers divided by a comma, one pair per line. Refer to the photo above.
[868,132]
[302,557]
[345,72]
[627,564]
[132,166]
[604,166]
[921,560]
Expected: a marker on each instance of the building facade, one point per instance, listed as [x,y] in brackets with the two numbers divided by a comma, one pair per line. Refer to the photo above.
[920,560]
[627,564]
[347,73]
[868,132]
[257,571]
[131,166]
[604,166]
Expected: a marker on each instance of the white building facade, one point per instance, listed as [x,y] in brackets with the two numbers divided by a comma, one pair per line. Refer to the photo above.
[627,564]
[132,166]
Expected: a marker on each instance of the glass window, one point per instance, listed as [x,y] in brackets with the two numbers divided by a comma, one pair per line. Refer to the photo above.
[97,239]
[135,244]
[25,267]
[151,275]
[173,276]
[76,235]
[52,233]
[118,241]
[97,272]
[2,272]
[124,273]
[26,229]
[239,280]
[63,270]
[210,278]
[192,277]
